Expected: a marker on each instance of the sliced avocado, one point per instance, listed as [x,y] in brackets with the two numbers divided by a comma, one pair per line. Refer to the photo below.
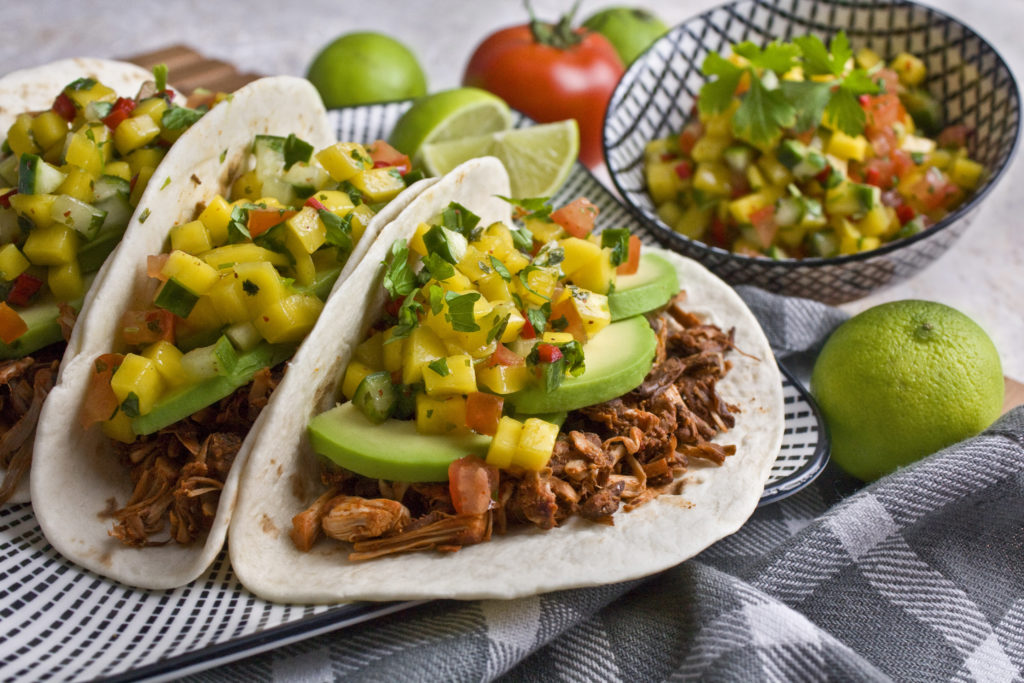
[653,285]
[393,450]
[617,361]
[43,328]
[191,398]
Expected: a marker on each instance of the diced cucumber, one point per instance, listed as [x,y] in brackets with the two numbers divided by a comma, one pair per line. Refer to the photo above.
[268,150]
[924,109]
[282,191]
[812,164]
[814,216]
[35,176]
[9,170]
[790,153]
[243,335]
[825,244]
[738,157]
[93,253]
[323,284]
[306,179]
[912,227]
[74,213]
[448,244]
[176,298]
[789,211]
[107,186]
[375,397]
[848,199]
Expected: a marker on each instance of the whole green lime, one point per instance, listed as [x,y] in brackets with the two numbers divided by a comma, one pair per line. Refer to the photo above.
[361,68]
[902,380]
[630,30]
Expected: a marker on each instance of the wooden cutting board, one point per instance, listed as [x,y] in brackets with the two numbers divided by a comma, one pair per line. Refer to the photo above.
[189,70]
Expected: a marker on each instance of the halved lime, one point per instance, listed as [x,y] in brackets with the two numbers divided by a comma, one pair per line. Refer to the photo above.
[538,159]
[449,115]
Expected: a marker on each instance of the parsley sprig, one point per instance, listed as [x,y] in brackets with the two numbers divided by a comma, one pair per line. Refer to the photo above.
[771,105]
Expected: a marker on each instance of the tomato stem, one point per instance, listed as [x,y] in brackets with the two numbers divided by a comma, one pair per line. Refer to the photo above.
[561,35]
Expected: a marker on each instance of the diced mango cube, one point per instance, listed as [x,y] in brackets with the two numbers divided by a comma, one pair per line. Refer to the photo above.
[848,147]
[35,207]
[504,443]
[65,281]
[138,375]
[167,358]
[49,128]
[392,350]
[579,253]
[494,287]
[712,177]
[537,286]
[145,157]
[378,184]
[496,239]
[191,272]
[503,379]
[77,184]
[966,173]
[344,159]
[119,428]
[371,351]
[475,264]
[308,229]
[909,68]
[875,222]
[598,277]
[460,377]
[244,252]
[334,200]
[229,299]
[593,310]
[12,262]
[290,319]
[20,138]
[440,415]
[153,107]
[355,373]
[134,132]
[536,443]
[247,186]
[53,245]
[192,237]
[120,169]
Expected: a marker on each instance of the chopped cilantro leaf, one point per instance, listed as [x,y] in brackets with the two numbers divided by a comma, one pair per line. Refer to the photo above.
[130,406]
[500,268]
[536,207]
[296,150]
[618,240]
[167,181]
[81,84]
[399,280]
[435,294]
[250,287]
[498,329]
[437,268]
[522,239]
[538,318]
[458,218]
[144,215]
[440,366]
[339,229]
[549,256]
[178,118]
[461,311]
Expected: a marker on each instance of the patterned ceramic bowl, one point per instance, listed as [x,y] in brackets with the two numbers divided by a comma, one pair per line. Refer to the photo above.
[655,96]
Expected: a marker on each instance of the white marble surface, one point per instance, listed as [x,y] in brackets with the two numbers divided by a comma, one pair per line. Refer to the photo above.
[982,276]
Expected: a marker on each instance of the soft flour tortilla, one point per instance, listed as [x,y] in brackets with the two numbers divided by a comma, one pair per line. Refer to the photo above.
[281,479]
[34,90]
[75,474]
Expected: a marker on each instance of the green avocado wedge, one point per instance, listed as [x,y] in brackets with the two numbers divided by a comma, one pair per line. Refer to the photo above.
[652,286]
[617,360]
[393,450]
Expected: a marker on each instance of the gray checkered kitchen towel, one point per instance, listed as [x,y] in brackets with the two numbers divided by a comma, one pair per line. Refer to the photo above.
[918,577]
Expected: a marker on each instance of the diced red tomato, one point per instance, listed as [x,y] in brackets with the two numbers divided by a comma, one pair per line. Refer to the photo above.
[100,401]
[483,412]
[689,136]
[65,107]
[548,353]
[576,217]
[25,287]
[384,155]
[882,112]
[261,220]
[901,163]
[890,81]
[527,332]
[315,203]
[879,172]
[504,356]
[473,484]
[934,191]
[883,142]
[121,110]
[12,326]
[146,327]
[684,169]
[764,224]
[718,233]
[5,198]
[155,265]
[905,213]
[632,262]
[953,136]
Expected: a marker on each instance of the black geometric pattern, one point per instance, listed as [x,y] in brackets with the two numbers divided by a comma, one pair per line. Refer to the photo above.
[655,97]
[64,623]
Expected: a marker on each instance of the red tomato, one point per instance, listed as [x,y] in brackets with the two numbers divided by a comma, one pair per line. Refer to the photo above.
[25,287]
[261,220]
[65,107]
[100,401]
[548,353]
[566,74]
[576,217]
[314,203]
[121,110]
[764,224]
[384,156]
[573,321]
[472,484]
[5,198]
[688,138]
[483,412]
[146,327]
[504,356]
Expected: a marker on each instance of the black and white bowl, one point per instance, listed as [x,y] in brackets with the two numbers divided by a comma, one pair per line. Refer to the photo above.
[656,95]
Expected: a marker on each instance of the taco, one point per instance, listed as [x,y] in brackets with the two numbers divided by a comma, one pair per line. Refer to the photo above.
[82,138]
[685,402]
[158,403]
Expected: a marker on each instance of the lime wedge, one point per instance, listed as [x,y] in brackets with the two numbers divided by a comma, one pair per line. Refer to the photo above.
[538,159]
[449,115]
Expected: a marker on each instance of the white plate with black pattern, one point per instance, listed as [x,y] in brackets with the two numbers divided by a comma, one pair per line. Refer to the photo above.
[60,622]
